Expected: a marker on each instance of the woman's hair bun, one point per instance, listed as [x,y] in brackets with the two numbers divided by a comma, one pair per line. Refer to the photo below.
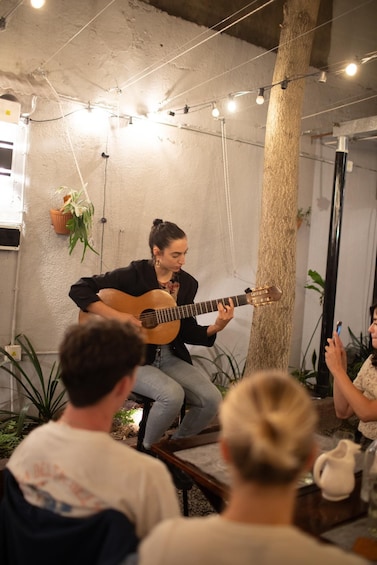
[157,222]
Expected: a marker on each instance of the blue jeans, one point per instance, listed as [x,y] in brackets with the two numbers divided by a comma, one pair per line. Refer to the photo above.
[170,381]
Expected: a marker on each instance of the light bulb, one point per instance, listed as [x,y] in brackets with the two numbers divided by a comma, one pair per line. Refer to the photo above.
[37,3]
[260,98]
[351,69]
[232,104]
[215,111]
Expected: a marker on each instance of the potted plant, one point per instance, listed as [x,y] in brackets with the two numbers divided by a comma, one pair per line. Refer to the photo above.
[303,215]
[304,375]
[222,366]
[59,220]
[80,222]
[43,401]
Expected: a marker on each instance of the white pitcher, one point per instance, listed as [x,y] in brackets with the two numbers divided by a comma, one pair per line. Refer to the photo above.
[333,471]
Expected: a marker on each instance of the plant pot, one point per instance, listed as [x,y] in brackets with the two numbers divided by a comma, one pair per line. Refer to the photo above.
[59,221]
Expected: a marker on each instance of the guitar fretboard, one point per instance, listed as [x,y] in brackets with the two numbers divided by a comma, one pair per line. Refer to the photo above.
[188,310]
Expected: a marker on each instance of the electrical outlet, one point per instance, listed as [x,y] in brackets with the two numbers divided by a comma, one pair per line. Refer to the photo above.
[14,351]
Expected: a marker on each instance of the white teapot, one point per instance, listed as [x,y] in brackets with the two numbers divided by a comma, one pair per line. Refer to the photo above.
[333,471]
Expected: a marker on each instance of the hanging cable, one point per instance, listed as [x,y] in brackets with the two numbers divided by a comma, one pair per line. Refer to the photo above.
[83,185]
[105,155]
[76,34]
[130,83]
[163,60]
[339,107]
[228,196]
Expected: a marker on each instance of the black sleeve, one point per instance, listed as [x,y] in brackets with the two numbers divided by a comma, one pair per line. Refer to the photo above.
[84,291]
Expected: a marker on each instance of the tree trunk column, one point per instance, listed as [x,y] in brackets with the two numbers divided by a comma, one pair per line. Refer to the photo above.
[271,330]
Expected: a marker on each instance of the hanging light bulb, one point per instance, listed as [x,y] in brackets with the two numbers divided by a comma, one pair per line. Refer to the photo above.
[351,69]
[260,98]
[37,4]
[232,104]
[215,111]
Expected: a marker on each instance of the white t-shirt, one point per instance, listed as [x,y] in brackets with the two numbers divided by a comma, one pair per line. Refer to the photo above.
[214,540]
[366,381]
[77,472]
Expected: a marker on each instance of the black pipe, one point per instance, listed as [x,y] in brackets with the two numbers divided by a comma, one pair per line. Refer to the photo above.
[323,378]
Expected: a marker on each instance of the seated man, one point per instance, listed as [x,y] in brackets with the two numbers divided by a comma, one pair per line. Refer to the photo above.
[73,467]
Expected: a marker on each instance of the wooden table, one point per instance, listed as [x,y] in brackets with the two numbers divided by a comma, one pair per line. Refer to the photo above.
[313,513]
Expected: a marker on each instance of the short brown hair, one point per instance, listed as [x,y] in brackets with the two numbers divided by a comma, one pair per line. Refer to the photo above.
[94,356]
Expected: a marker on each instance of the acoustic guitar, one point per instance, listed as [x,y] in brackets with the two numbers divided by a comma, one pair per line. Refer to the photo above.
[160,315]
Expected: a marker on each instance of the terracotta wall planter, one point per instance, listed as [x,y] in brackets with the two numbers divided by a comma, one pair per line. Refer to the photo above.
[59,221]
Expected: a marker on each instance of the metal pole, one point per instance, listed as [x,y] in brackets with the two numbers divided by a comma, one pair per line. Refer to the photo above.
[332,263]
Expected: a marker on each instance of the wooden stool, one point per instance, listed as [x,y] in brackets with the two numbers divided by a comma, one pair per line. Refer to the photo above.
[146,403]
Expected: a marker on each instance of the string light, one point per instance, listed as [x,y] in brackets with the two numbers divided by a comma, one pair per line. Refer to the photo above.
[37,4]
[232,106]
[215,111]
[260,98]
[351,69]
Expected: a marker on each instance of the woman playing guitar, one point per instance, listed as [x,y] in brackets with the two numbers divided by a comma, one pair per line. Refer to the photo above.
[168,376]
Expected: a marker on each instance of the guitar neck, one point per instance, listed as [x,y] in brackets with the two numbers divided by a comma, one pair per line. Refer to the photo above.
[192,310]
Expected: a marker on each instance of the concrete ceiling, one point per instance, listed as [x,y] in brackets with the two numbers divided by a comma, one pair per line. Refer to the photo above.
[261,28]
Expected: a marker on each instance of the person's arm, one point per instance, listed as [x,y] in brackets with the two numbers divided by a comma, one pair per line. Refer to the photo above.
[191,332]
[347,398]
[85,293]
[337,359]
[101,309]
[225,314]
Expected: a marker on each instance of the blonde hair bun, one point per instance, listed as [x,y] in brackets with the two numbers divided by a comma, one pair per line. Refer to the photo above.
[268,422]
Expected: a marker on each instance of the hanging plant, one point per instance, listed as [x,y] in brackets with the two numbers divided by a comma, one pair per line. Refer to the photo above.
[77,203]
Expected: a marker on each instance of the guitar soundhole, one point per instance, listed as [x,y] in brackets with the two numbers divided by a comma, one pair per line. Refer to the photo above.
[149,319]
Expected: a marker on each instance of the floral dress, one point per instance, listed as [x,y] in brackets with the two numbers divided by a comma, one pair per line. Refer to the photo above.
[366,381]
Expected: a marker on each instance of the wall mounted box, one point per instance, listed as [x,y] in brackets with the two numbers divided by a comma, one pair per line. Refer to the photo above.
[9,111]
[10,236]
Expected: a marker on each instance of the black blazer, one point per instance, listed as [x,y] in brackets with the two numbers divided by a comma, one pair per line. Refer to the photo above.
[137,279]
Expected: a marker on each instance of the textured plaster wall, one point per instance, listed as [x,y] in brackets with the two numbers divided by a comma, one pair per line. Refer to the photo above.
[172,168]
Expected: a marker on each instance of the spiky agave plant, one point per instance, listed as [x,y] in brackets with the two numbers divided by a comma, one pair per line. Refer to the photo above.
[43,396]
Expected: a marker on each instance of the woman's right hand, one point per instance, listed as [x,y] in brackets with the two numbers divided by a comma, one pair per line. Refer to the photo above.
[335,356]
[102,309]
[124,317]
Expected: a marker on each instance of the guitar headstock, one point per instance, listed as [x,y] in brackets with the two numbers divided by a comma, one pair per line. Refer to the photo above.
[263,295]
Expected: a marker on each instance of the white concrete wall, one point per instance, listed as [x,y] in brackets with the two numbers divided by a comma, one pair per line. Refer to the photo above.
[170,168]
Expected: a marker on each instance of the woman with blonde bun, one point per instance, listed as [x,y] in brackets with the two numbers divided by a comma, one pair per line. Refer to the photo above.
[267,440]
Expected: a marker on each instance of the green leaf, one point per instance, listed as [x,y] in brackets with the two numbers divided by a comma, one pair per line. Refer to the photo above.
[40,391]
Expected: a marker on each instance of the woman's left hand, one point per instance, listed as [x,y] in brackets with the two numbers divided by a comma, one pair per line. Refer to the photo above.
[226,313]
